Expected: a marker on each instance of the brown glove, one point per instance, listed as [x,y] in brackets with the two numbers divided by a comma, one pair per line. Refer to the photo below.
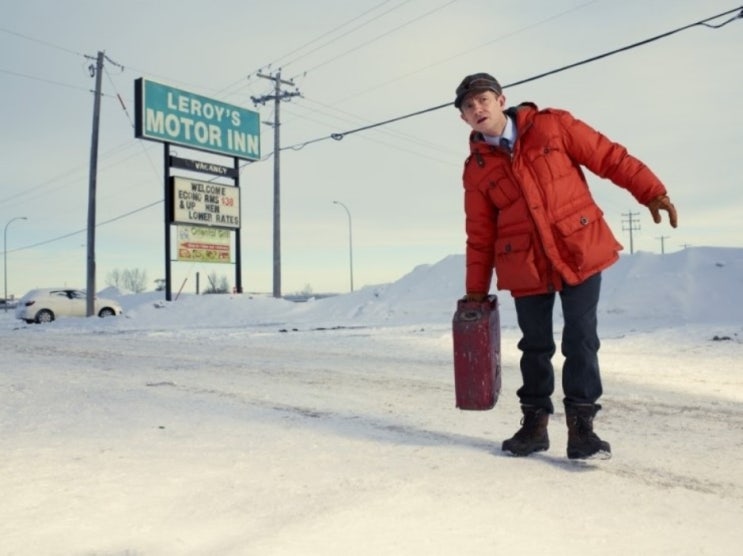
[663,203]
[479,297]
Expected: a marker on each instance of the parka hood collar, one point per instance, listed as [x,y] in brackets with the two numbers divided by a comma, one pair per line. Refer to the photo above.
[520,114]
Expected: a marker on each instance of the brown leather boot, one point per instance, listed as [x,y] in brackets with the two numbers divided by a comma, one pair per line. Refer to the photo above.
[532,436]
[583,443]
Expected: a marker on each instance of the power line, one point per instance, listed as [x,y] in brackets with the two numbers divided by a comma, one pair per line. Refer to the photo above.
[418,140]
[40,41]
[131,121]
[69,177]
[374,8]
[703,23]
[356,18]
[340,36]
[374,39]
[441,150]
[510,34]
[82,230]
[276,61]
[44,80]
[339,136]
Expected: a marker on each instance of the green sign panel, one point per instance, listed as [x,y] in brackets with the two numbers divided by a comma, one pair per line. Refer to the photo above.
[172,115]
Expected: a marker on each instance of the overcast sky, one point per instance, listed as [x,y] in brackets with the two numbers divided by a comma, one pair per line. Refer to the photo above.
[675,103]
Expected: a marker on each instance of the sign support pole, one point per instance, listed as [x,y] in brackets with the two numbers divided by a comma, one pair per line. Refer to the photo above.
[168,203]
[238,250]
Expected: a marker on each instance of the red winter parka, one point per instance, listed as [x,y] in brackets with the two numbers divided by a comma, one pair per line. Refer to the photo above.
[530,214]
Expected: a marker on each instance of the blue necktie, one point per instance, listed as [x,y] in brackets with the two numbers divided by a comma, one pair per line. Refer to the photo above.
[505,144]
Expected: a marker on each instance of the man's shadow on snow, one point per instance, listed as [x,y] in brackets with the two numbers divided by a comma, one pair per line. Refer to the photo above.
[385,430]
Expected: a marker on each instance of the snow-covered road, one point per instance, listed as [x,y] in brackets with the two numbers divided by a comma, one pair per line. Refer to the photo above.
[248,440]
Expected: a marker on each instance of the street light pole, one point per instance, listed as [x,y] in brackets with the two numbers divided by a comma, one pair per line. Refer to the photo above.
[5,257]
[350,240]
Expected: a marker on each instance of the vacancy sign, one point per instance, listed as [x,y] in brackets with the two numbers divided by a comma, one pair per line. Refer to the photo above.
[171,115]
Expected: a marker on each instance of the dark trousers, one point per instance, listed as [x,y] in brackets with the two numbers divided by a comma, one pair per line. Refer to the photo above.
[581,380]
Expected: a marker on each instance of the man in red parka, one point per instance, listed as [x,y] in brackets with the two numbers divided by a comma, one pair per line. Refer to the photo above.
[531,217]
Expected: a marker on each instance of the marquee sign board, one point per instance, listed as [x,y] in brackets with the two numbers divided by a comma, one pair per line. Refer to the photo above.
[204,245]
[171,115]
[205,203]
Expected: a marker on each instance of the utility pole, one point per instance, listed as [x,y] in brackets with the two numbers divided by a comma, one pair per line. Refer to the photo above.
[96,70]
[277,97]
[662,244]
[632,225]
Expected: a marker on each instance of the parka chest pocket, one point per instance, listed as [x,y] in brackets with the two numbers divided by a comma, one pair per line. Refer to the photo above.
[550,161]
[491,175]
[503,191]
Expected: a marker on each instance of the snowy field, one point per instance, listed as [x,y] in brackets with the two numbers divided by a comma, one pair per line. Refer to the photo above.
[231,425]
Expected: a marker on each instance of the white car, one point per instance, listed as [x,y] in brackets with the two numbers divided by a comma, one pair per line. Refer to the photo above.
[48,304]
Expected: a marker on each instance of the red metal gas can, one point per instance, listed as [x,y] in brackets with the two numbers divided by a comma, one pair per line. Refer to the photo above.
[477,370]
